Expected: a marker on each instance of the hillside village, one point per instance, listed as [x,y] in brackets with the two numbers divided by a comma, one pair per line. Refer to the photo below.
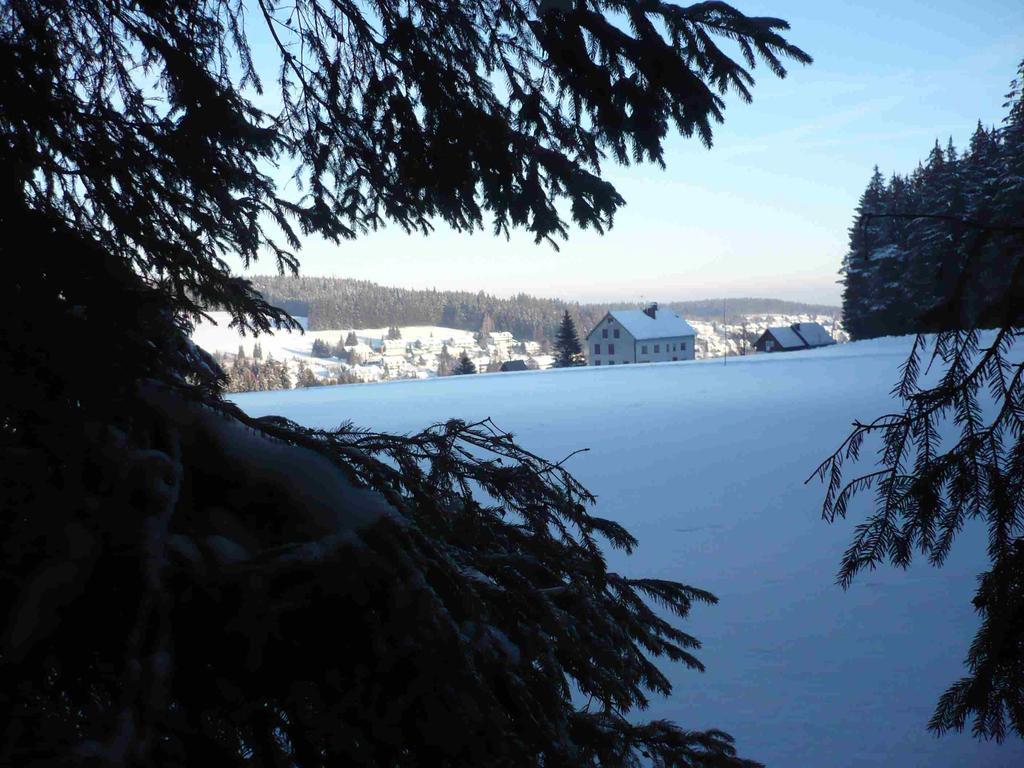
[363,355]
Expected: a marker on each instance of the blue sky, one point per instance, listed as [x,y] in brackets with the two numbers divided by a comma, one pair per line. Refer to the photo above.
[765,212]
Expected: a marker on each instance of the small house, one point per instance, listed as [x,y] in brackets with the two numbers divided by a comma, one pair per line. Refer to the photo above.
[513,365]
[796,336]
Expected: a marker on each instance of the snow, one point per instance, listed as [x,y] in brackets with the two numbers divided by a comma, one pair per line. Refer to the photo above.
[787,337]
[641,326]
[704,462]
[813,334]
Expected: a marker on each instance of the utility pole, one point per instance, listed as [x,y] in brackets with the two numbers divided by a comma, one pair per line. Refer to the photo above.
[725,332]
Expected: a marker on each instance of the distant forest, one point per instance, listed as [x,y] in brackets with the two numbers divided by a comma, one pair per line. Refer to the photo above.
[331,302]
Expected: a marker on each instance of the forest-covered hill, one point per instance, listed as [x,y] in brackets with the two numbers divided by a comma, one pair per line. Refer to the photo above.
[331,302]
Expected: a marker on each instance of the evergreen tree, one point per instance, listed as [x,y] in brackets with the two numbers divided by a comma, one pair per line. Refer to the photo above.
[444,362]
[568,352]
[143,509]
[257,351]
[320,348]
[464,366]
[486,328]
[351,340]
[306,377]
[394,333]
[859,266]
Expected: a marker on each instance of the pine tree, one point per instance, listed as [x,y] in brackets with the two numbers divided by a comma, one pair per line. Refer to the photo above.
[351,340]
[486,328]
[444,362]
[859,265]
[142,508]
[568,352]
[464,366]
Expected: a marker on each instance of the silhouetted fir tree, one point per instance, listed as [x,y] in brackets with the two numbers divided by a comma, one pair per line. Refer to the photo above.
[568,352]
[927,489]
[351,340]
[171,565]
[859,264]
[464,365]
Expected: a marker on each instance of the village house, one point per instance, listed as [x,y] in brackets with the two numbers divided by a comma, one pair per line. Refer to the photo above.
[503,340]
[796,336]
[649,335]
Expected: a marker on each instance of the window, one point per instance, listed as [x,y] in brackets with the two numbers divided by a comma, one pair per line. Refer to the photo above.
[643,349]
[611,362]
[616,333]
[609,319]
[597,349]
[604,333]
[611,349]
[675,358]
[683,346]
[597,362]
[657,348]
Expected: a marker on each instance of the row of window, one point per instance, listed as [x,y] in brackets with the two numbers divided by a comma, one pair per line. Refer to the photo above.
[668,348]
[643,348]
[604,333]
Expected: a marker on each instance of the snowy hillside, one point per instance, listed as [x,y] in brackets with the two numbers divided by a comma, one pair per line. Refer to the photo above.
[705,464]
[415,355]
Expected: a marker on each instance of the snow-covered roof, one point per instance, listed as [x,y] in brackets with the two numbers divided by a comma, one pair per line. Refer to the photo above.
[787,337]
[664,324]
[814,334]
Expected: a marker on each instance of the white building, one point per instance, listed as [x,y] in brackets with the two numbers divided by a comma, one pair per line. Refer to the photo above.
[649,335]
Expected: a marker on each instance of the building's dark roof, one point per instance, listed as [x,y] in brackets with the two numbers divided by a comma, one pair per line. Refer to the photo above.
[798,336]
[814,334]
[786,337]
[514,365]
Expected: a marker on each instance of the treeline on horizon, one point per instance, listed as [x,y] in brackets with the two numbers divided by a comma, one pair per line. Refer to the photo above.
[332,302]
[927,251]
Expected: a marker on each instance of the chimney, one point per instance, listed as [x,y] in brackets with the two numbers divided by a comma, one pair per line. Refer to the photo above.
[652,311]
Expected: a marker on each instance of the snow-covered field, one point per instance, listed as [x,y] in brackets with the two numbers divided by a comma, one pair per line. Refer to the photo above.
[705,464]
